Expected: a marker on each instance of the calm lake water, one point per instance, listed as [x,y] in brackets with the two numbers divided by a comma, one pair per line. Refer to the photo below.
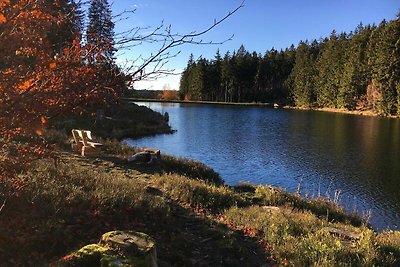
[322,152]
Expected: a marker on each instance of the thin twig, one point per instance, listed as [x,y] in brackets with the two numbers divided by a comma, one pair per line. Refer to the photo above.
[4,203]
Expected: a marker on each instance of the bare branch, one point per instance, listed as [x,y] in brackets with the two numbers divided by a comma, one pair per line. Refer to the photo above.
[163,36]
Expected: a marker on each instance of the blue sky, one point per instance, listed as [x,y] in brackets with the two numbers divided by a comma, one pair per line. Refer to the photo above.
[259,25]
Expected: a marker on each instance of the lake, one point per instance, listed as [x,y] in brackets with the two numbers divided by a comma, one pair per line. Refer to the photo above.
[320,152]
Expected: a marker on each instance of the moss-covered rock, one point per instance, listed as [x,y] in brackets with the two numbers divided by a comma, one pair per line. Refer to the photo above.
[130,243]
[89,255]
[116,248]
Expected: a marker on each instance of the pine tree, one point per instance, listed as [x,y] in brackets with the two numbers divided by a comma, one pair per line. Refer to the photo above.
[330,68]
[304,74]
[228,76]
[185,82]
[245,72]
[196,79]
[77,16]
[100,31]
[356,74]
[214,75]
[261,83]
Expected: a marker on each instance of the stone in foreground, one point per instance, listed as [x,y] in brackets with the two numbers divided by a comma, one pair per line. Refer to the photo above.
[131,244]
[116,248]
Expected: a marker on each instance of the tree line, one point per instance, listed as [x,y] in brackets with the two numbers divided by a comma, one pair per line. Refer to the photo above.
[356,70]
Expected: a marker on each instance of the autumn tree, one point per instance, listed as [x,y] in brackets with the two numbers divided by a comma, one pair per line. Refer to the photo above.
[36,85]
[169,94]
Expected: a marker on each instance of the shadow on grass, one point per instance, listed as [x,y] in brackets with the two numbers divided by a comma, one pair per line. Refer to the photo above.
[183,238]
[58,211]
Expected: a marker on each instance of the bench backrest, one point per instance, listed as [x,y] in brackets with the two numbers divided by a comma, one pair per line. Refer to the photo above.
[84,135]
[75,135]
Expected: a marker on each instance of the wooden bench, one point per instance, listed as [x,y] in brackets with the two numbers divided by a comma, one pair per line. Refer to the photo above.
[84,144]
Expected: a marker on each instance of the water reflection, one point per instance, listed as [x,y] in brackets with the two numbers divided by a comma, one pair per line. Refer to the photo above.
[323,152]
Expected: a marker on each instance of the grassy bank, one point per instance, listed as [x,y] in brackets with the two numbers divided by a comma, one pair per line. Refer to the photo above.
[59,206]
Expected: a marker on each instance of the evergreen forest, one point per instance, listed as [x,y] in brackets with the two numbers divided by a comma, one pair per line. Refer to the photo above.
[357,70]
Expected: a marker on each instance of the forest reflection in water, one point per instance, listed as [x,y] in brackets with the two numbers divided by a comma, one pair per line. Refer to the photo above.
[320,151]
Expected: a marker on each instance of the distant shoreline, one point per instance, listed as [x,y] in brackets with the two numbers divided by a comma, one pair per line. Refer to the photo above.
[368,113]
[255,104]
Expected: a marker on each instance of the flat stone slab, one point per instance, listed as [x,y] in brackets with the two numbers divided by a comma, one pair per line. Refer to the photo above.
[130,242]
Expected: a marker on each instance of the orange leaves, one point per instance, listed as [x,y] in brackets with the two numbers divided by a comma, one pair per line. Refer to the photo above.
[8,72]
[25,85]
[27,75]
[39,127]
[35,15]
[52,65]
[4,3]
[170,95]
[39,132]
[2,18]
[43,120]
[26,51]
